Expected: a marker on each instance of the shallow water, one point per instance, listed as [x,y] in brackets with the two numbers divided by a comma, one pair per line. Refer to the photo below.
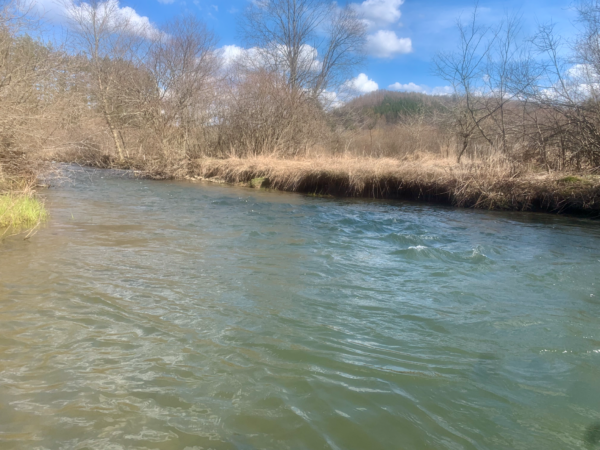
[162,315]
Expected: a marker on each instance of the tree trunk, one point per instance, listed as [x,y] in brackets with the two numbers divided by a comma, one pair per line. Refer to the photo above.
[464,148]
[114,134]
[113,130]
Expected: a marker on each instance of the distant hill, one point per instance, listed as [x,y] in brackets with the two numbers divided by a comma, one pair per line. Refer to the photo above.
[393,106]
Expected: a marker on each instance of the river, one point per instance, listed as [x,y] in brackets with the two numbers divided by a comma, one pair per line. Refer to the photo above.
[174,315]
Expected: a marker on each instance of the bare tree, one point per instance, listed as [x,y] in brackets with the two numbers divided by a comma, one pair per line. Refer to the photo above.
[491,68]
[298,50]
[261,117]
[32,96]
[112,44]
[509,78]
[27,70]
[570,91]
[465,70]
[314,43]
[587,46]
[185,70]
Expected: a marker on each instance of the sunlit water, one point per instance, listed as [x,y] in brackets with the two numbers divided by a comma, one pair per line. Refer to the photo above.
[162,315]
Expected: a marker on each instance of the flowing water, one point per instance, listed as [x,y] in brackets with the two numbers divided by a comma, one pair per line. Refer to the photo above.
[163,315]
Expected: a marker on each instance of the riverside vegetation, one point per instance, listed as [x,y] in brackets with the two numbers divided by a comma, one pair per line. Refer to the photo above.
[20,208]
[518,130]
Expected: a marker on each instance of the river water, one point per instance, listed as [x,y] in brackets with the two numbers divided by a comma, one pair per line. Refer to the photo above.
[167,315]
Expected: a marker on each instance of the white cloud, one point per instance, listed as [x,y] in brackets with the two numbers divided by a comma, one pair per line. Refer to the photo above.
[331,100]
[385,44]
[421,88]
[361,84]
[65,10]
[580,72]
[309,58]
[379,13]
[231,54]
[274,56]
[581,81]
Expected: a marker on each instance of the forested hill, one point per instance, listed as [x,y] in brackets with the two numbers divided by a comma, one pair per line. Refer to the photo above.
[393,106]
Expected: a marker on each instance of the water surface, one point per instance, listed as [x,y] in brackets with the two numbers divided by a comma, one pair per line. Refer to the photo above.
[163,315]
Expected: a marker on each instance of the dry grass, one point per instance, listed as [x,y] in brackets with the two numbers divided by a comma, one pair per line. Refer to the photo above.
[484,182]
[486,185]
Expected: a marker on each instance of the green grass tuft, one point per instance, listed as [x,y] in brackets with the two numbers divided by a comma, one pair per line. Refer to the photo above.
[261,182]
[571,179]
[21,211]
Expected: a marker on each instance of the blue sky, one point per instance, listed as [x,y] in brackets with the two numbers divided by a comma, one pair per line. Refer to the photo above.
[403,35]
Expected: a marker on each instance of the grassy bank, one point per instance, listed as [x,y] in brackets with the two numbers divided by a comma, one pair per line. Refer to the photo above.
[490,185]
[485,183]
[21,211]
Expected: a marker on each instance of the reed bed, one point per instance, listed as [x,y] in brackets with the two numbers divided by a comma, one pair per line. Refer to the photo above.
[497,185]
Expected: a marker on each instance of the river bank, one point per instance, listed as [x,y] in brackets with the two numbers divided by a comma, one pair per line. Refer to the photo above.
[490,184]
[481,185]
[20,207]
[20,210]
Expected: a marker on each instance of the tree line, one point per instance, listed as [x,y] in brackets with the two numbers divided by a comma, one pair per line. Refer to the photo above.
[143,93]
[527,97]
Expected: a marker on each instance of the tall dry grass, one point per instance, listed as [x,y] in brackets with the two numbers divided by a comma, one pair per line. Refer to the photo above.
[493,184]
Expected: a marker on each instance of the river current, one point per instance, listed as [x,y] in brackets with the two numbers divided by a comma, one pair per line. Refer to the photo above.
[172,315]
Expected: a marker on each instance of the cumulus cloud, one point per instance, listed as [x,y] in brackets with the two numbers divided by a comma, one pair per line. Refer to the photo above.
[65,10]
[274,57]
[362,84]
[231,53]
[385,44]
[331,100]
[248,57]
[379,13]
[421,88]
[581,81]
[580,72]
[379,16]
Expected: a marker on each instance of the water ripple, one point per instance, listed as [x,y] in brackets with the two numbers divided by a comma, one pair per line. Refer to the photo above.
[175,315]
